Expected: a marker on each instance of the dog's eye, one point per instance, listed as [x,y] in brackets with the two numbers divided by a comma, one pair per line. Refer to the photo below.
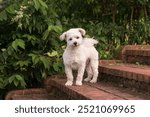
[77,37]
[70,39]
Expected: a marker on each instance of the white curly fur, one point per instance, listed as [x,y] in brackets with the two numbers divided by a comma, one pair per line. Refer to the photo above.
[80,54]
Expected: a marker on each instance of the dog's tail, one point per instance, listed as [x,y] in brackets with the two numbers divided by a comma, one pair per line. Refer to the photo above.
[89,42]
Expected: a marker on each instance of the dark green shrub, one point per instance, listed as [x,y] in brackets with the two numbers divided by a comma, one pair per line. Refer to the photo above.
[29,45]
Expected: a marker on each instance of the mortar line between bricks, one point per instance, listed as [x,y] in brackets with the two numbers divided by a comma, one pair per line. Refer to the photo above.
[105,91]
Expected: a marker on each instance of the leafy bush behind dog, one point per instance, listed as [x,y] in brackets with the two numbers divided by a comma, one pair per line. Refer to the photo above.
[29,33]
[112,22]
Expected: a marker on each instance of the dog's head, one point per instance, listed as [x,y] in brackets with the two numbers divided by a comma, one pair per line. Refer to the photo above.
[73,36]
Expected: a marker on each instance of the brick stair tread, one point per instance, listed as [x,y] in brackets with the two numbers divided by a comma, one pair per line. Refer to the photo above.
[136,47]
[130,71]
[98,91]
[122,92]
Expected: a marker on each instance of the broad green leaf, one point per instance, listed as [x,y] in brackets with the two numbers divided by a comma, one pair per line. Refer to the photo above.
[43,10]
[37,4]
[16,82]
[52,54]
[20,80]
[45,34]
[10,50]
[45,61]
[50,27]
[58,29]
[35,58]
[11,9]
[21,43]
[18,42]
[56,66]
[22,63]
[23,84]
[18,77]
[6,82]
[11,79]
[30,37]
[14,45]
[43,4]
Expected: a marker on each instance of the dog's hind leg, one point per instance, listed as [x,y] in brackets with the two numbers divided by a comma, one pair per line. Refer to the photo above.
[89,73]
[94,65]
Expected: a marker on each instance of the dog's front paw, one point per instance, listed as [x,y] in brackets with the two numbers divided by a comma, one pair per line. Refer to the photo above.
[69,83]
[87,79]
[93,81]
[78,83]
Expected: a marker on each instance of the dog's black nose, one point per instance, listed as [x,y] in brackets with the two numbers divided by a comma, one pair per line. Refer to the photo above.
[75,43]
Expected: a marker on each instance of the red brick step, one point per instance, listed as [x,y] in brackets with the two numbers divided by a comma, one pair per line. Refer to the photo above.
[129,75]
[136,54]
[98,91]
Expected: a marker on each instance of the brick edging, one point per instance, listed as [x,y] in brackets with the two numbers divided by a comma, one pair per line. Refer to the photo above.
[24,92]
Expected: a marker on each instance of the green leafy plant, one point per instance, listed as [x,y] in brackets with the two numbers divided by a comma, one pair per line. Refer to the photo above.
[30,49]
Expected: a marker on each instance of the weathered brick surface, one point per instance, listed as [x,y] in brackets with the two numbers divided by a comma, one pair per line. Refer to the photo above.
[98,91]
[109,62]
[138,73]
[81,92]
[122,92]
[37,93]
[136,53]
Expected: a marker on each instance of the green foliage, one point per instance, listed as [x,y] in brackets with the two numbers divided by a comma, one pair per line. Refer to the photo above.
[29,33]
[29,45]
[112,22]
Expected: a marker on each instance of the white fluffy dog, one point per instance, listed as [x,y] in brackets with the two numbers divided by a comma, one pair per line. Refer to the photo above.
[80,54]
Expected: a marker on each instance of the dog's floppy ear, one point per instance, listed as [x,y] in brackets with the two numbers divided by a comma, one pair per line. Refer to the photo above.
[82,31]
[63,36]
